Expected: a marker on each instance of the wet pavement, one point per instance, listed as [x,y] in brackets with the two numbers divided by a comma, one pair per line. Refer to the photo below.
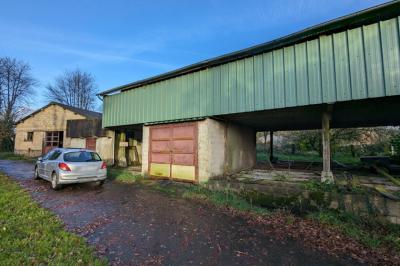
[132,225]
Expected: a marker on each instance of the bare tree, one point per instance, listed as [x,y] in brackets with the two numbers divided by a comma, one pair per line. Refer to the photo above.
[75,88]
[16,89]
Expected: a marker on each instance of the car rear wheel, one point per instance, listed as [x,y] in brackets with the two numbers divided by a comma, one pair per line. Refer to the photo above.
[36,174]
[54,182]
[101,182]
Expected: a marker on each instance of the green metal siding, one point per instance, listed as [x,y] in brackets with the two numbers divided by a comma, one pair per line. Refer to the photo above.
[355,64]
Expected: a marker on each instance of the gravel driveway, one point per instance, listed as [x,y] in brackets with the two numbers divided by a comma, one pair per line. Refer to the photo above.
[131,225]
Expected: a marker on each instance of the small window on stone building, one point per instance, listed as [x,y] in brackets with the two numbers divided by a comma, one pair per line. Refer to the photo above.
[29,136]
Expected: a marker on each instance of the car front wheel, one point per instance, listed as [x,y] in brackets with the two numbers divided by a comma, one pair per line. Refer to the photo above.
[36,174]
[54,182]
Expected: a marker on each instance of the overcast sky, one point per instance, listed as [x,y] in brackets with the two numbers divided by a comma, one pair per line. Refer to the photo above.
[124,41]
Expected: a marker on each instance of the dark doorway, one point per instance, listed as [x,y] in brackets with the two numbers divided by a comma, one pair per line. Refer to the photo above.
[53,139]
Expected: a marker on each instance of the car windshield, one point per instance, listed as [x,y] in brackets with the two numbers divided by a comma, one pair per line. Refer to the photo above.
[81,156]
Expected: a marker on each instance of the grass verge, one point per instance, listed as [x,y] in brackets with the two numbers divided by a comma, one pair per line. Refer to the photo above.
[122,175]
[367,230]
[31,235]
[222,199]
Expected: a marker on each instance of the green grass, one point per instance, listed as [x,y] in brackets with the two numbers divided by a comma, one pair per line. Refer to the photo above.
[122,175]
[222,199]
[367,230]
[15,157]
[31,235]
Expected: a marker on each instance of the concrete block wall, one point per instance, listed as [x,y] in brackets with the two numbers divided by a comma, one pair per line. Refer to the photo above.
[29,148]
[240,148]
[105,147]
[224,148]
[211,149]
[145,150]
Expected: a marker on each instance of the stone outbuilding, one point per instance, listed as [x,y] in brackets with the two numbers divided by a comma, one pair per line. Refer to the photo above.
[59,125]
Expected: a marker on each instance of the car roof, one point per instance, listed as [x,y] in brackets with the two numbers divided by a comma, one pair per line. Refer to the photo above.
[64,150]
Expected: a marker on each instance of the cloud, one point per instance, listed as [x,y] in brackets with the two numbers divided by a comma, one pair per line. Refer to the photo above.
[99,56]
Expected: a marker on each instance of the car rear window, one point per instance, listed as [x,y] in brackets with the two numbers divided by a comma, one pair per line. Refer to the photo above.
[81,156]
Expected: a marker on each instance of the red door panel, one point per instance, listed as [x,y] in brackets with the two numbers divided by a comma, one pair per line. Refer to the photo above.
[160,146]
[161,133]
[183,159]
[91,144]
[173,150]
[183,146]
[161,158]
[183,132]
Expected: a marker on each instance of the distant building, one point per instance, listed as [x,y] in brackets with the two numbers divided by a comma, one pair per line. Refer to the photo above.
[59,125]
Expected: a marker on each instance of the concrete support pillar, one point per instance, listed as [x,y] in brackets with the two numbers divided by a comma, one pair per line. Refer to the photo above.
[122,162]
[266,145]
[326,175]
[271,146]
[224,148]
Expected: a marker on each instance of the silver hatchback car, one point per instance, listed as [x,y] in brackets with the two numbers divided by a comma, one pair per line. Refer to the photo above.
[67,166]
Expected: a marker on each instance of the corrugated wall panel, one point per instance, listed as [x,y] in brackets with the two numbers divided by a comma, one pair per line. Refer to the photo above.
[163,100]
[373,61]
[359,63]
[193,96]
[279,79]
[391,57]
[224,89]
[210,82]
[232,87]
[150,101]
[258,83]
[240,86]
[301,74]
[327,69]
[189,96]
[203,91]
[216,97]
[268,76]
[249,84]
[290,76]
[342,69]
[314,72]
[182,104]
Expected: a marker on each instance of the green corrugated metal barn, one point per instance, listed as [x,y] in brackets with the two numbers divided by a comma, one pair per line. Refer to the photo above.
[348,68]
